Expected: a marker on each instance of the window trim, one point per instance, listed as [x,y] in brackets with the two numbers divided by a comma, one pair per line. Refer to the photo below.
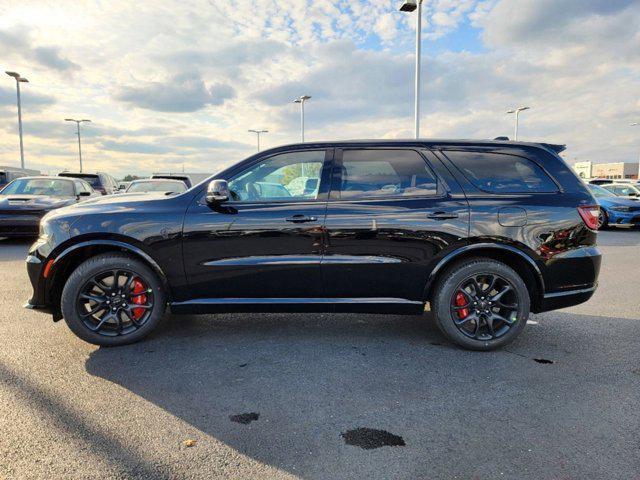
[323,189]
[444,151]
[336,177]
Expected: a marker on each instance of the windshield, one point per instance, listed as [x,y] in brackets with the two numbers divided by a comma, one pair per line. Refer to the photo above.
[40,186]
[600,192]
[157,187]
[93,180]
[623,190]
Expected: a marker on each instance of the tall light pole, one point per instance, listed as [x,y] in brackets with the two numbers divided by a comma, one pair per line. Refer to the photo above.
[78,122]
[258,132]
[517,112]
[636,124]
[411,6]
[301,101]
[19,79]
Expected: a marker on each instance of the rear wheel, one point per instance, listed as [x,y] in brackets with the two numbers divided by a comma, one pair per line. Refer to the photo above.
[603,219]
[113,299]
[481,304]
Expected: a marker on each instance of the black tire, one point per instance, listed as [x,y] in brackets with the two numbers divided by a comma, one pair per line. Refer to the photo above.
[111,331]
[603,219]
[481,331]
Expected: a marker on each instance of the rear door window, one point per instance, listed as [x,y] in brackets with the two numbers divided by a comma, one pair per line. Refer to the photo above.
[502,173]
[383,173]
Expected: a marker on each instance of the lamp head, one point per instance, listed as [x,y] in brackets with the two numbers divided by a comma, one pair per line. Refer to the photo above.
[409,6]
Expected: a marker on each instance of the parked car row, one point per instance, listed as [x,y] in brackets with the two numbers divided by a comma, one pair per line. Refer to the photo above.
[24,200]
[615,210]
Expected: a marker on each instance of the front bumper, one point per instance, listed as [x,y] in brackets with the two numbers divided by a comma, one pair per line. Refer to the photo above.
[20,225]
[623,218]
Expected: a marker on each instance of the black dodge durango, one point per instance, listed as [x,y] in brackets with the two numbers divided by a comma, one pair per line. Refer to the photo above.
[479,233]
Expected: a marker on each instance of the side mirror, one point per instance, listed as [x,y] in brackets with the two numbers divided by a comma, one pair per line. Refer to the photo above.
[217,192]
[84,194]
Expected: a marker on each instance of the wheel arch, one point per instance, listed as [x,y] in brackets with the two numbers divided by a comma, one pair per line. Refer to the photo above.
[72,256]
[524,265]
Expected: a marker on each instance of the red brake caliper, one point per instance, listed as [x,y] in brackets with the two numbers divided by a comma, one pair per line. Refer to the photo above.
[461,300]
[138,287]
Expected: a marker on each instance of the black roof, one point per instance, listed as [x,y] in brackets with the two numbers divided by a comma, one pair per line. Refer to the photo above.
[431,143]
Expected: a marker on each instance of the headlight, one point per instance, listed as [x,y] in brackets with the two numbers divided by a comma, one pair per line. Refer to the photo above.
[621,209]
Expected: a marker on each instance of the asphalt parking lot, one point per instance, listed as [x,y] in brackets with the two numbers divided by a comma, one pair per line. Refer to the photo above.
[278,396]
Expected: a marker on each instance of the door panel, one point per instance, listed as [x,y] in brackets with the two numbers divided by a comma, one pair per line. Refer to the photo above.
[384,247]
[258,248]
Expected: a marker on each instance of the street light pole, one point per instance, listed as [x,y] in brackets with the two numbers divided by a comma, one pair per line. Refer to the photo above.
[517,112]
[19,79]
[78,122]
[411,6]
[258,132]
[302,101]
[636,124]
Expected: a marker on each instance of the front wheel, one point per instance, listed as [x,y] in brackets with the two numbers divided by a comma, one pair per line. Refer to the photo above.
[481,304]
[113,299]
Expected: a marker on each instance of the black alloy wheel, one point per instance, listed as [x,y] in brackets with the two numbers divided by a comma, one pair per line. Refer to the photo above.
[115,302]
[481,304]
[484,306]
[113,299]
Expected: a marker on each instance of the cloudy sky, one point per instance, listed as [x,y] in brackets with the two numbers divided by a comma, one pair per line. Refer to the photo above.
[173,83]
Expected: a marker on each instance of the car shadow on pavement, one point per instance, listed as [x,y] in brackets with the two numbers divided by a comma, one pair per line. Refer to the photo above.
[289,390]
[15,248]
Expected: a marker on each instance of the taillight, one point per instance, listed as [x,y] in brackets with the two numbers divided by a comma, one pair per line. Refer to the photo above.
[589,214]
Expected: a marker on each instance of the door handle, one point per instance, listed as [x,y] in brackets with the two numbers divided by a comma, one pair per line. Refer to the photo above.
[301,219]
[442,215]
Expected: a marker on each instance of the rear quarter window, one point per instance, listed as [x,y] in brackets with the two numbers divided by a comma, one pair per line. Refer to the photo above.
[502,173]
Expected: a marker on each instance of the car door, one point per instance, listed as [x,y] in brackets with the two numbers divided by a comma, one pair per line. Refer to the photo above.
[389,214]
[266,242]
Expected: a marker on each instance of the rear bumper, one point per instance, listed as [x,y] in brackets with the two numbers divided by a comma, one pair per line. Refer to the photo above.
[571,278]
[554,301]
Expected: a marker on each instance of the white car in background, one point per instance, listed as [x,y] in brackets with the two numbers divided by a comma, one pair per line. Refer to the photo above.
[150,185]
[623,190]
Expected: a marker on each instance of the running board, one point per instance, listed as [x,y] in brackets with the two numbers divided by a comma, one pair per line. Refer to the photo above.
[300,305]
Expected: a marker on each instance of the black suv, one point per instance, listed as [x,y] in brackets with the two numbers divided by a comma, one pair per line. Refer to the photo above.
[101,182]
[478,232]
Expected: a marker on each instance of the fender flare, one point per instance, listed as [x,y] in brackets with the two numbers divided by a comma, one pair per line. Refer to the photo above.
[121,245]
[452,256]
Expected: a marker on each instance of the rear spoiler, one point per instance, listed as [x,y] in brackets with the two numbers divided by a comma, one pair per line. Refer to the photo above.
[551,146]
[556,148]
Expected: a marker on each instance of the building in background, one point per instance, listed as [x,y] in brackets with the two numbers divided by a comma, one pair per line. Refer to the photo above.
[615,171]
[583,169]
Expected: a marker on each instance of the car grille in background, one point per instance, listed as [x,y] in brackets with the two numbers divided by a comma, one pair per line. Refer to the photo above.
[23,212]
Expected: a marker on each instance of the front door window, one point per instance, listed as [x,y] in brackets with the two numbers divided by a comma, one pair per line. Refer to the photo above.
[286,177]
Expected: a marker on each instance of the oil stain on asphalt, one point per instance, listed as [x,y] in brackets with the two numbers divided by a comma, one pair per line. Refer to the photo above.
[370,438]
[244,418]
[543,361]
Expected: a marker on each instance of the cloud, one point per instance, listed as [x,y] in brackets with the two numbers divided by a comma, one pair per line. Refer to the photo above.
[30,99]
[50,57]
[134,147]
[575,62]
[183,93]
[18,42]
